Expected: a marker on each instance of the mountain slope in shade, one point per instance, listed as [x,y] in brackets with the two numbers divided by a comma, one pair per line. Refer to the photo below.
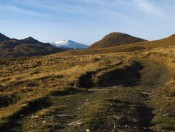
[30,40]
[10,48]
[116,39]
[69,44]
[3,38]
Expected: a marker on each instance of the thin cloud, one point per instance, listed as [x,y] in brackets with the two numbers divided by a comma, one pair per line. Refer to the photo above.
[149,7]
[18,10]
[114,16]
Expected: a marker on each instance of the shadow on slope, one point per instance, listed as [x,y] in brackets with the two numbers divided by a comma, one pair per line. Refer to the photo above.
[127,76]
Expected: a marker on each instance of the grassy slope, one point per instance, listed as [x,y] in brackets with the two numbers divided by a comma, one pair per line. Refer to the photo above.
[147,45]
[44,81]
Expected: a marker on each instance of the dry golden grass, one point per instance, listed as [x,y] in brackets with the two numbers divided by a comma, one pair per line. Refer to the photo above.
[167,57]
[30,79]
[170,88]
[30,76]
[33,78]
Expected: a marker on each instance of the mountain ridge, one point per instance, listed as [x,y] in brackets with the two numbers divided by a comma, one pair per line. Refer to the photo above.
[10,48]
[30,40]
[3,37]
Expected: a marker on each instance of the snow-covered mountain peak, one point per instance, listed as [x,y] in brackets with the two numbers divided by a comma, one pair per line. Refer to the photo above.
[62,42]
[69,44]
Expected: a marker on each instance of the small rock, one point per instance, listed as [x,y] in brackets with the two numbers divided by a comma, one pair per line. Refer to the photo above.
[135,120]
[24,105]
[165,115]
[114,126]
[21,115]
[116,117]
[75,123]
[146,93]
[87,130]
[64,115]
[34,117]
[44,122]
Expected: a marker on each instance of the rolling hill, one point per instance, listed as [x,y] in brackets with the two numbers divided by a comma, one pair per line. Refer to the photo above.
[26,47]
[116,39]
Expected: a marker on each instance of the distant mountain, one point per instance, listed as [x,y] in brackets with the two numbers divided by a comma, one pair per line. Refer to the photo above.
[10,48]
[3,38]
[30,40]
[69,44]
[116,39]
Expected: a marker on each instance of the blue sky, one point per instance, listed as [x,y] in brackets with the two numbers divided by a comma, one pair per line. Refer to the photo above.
[86,21]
